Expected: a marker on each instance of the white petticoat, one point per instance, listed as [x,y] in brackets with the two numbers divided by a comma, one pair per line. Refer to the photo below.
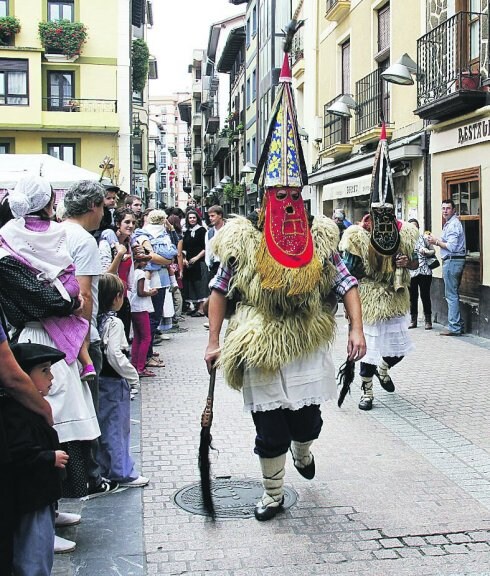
[387,338]
[308,380]
[70,398]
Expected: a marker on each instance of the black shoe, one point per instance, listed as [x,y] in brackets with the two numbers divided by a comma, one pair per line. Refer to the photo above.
[105,487]
[365,403]
[308,471]
[386,382]
[263,513]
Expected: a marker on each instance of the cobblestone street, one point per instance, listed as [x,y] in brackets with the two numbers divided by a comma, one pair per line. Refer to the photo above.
[401,490]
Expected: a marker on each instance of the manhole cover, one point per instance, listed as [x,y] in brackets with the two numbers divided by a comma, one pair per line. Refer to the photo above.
[232,498]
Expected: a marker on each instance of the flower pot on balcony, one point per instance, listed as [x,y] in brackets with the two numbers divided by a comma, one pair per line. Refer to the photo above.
[469,81]
[60,57]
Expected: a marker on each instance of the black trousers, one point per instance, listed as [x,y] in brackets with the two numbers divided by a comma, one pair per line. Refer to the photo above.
[421,283]
[368,370]
[277,428]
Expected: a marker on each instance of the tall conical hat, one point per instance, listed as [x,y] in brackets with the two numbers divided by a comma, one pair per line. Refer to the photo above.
[282,161]
[385,237]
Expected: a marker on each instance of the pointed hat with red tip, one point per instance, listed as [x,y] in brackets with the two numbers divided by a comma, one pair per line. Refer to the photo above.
[385,237]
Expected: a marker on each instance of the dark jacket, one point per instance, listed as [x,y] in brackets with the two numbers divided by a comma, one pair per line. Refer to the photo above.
[32,444]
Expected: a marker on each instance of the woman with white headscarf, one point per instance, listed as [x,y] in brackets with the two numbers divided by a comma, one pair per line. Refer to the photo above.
[38,284]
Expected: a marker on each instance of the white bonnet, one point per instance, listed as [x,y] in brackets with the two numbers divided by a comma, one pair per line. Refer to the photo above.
[31,193]
[339,213]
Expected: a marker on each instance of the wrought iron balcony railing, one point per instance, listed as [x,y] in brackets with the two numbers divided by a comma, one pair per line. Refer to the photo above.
[69,104]
[297,51]
[373,100]
[335,129]
[450,57]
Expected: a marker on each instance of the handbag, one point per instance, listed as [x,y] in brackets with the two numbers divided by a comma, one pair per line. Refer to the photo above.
[433,263]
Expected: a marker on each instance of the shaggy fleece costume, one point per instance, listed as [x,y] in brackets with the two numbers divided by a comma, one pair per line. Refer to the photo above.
[271,328]
[379,299]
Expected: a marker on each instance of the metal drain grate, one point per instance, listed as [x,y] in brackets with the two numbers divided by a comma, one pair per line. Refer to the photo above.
[232,498]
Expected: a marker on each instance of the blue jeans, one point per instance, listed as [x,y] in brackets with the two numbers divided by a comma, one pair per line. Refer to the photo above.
[452,271]
[34,543]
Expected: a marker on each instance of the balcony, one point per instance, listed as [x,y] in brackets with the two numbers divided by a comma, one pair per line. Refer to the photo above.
[84,114]
[297,58]
[336,10]
[373,100]
[196,122]
[196,87]
[197,156]
[450,58]
[221,149]
[336,141]
[208,167]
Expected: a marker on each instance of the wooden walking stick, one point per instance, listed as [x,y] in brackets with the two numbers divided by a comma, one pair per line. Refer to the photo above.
[204,446]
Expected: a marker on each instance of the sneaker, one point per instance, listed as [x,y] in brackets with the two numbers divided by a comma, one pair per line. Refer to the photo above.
[63,546]
[136,483]
[105,487]
[67,519]
[88,373]
[206,325]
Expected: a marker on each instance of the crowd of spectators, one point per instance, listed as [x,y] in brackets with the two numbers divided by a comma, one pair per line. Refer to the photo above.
[89,290]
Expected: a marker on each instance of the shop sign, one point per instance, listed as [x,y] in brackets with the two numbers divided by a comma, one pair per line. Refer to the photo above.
[347,188]
[466,135]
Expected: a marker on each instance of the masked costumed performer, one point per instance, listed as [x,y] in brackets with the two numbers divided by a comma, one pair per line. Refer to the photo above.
[276,348]
[379,253]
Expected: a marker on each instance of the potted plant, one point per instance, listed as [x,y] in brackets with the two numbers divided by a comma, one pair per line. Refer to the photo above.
[9,27]
[140,58]
[62,37]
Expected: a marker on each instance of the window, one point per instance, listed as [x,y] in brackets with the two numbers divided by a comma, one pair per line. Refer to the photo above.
[254,20]
[247,39]
[254,150]
[13,82]
[5,148]
[345,51]
[248,95]
[65,152]
[4,8]
[384,35]
[254,85]
[61,10]
[137,155]
[463,187]
[61,90]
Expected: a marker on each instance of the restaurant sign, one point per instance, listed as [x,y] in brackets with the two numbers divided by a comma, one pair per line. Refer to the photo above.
[467,135]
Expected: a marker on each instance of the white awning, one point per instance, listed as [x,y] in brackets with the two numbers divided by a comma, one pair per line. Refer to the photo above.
[347,188]
[59,174]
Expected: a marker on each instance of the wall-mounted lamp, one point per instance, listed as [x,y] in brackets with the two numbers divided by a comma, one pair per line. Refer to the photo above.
[343,105]
[248,168]
[303,134]
[401,71]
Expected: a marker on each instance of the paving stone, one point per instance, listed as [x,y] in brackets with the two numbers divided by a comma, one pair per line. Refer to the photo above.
[385,554]
[391,543]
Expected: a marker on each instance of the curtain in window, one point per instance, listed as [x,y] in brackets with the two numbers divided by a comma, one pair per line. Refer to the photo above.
[17,84]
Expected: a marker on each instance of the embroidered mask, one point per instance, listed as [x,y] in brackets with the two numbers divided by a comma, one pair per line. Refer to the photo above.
[286,229]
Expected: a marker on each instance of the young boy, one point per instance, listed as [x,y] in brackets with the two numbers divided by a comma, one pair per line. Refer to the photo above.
[36,463]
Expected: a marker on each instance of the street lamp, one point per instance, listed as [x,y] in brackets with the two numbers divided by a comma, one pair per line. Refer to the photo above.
[401,71]
[248,168]
[225,180]
[343,105]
